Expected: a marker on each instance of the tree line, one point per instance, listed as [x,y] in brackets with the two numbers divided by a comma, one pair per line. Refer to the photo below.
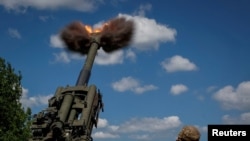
[15,121]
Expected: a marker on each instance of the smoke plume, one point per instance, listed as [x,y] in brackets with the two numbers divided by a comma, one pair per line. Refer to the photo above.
[115,34]
[76,37]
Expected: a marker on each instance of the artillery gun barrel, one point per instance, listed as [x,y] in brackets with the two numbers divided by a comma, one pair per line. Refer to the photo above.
[86,70]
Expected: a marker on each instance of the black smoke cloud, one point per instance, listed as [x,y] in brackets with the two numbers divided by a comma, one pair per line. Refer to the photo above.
[115,34]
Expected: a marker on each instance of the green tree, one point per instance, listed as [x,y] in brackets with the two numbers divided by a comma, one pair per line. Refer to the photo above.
[14,120]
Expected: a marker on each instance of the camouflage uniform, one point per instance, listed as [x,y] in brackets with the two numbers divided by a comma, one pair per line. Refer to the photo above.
[189,133]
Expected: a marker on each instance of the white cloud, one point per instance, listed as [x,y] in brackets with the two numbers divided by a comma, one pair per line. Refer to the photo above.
[203,129]
[141,137]
[178,89]
[130,55]
[65,57]
[244,118]
[104,58]
[211,89]
[61,57]
[131,84]
[113,128]
[45,18]
[102,123]
[143,9]
[238,98]
[148,33]
[149,124]
[56,41]
[145,88]
[14,33]
[79,5]
[125,84]
[139,128]
[31,101]
[178,63]
[103,135]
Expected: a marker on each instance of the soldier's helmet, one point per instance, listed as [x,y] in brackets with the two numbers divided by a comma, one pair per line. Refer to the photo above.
[189,133]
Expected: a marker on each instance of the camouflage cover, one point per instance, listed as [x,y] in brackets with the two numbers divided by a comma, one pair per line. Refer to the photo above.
[189,133]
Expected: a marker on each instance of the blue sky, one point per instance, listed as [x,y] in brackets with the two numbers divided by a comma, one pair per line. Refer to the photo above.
[188,63]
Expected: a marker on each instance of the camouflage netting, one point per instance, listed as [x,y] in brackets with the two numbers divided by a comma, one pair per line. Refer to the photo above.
[189,133]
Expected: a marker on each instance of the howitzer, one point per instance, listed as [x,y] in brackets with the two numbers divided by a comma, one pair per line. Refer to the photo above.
[72,111]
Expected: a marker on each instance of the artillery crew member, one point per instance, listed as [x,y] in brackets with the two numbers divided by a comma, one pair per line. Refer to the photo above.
[189,133]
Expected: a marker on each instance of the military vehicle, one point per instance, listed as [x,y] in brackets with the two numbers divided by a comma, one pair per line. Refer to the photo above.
[73,111]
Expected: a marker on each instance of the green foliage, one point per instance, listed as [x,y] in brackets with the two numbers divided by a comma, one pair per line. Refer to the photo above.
[14,120]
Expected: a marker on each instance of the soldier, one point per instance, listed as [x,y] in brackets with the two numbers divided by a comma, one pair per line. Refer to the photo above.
[189,133]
